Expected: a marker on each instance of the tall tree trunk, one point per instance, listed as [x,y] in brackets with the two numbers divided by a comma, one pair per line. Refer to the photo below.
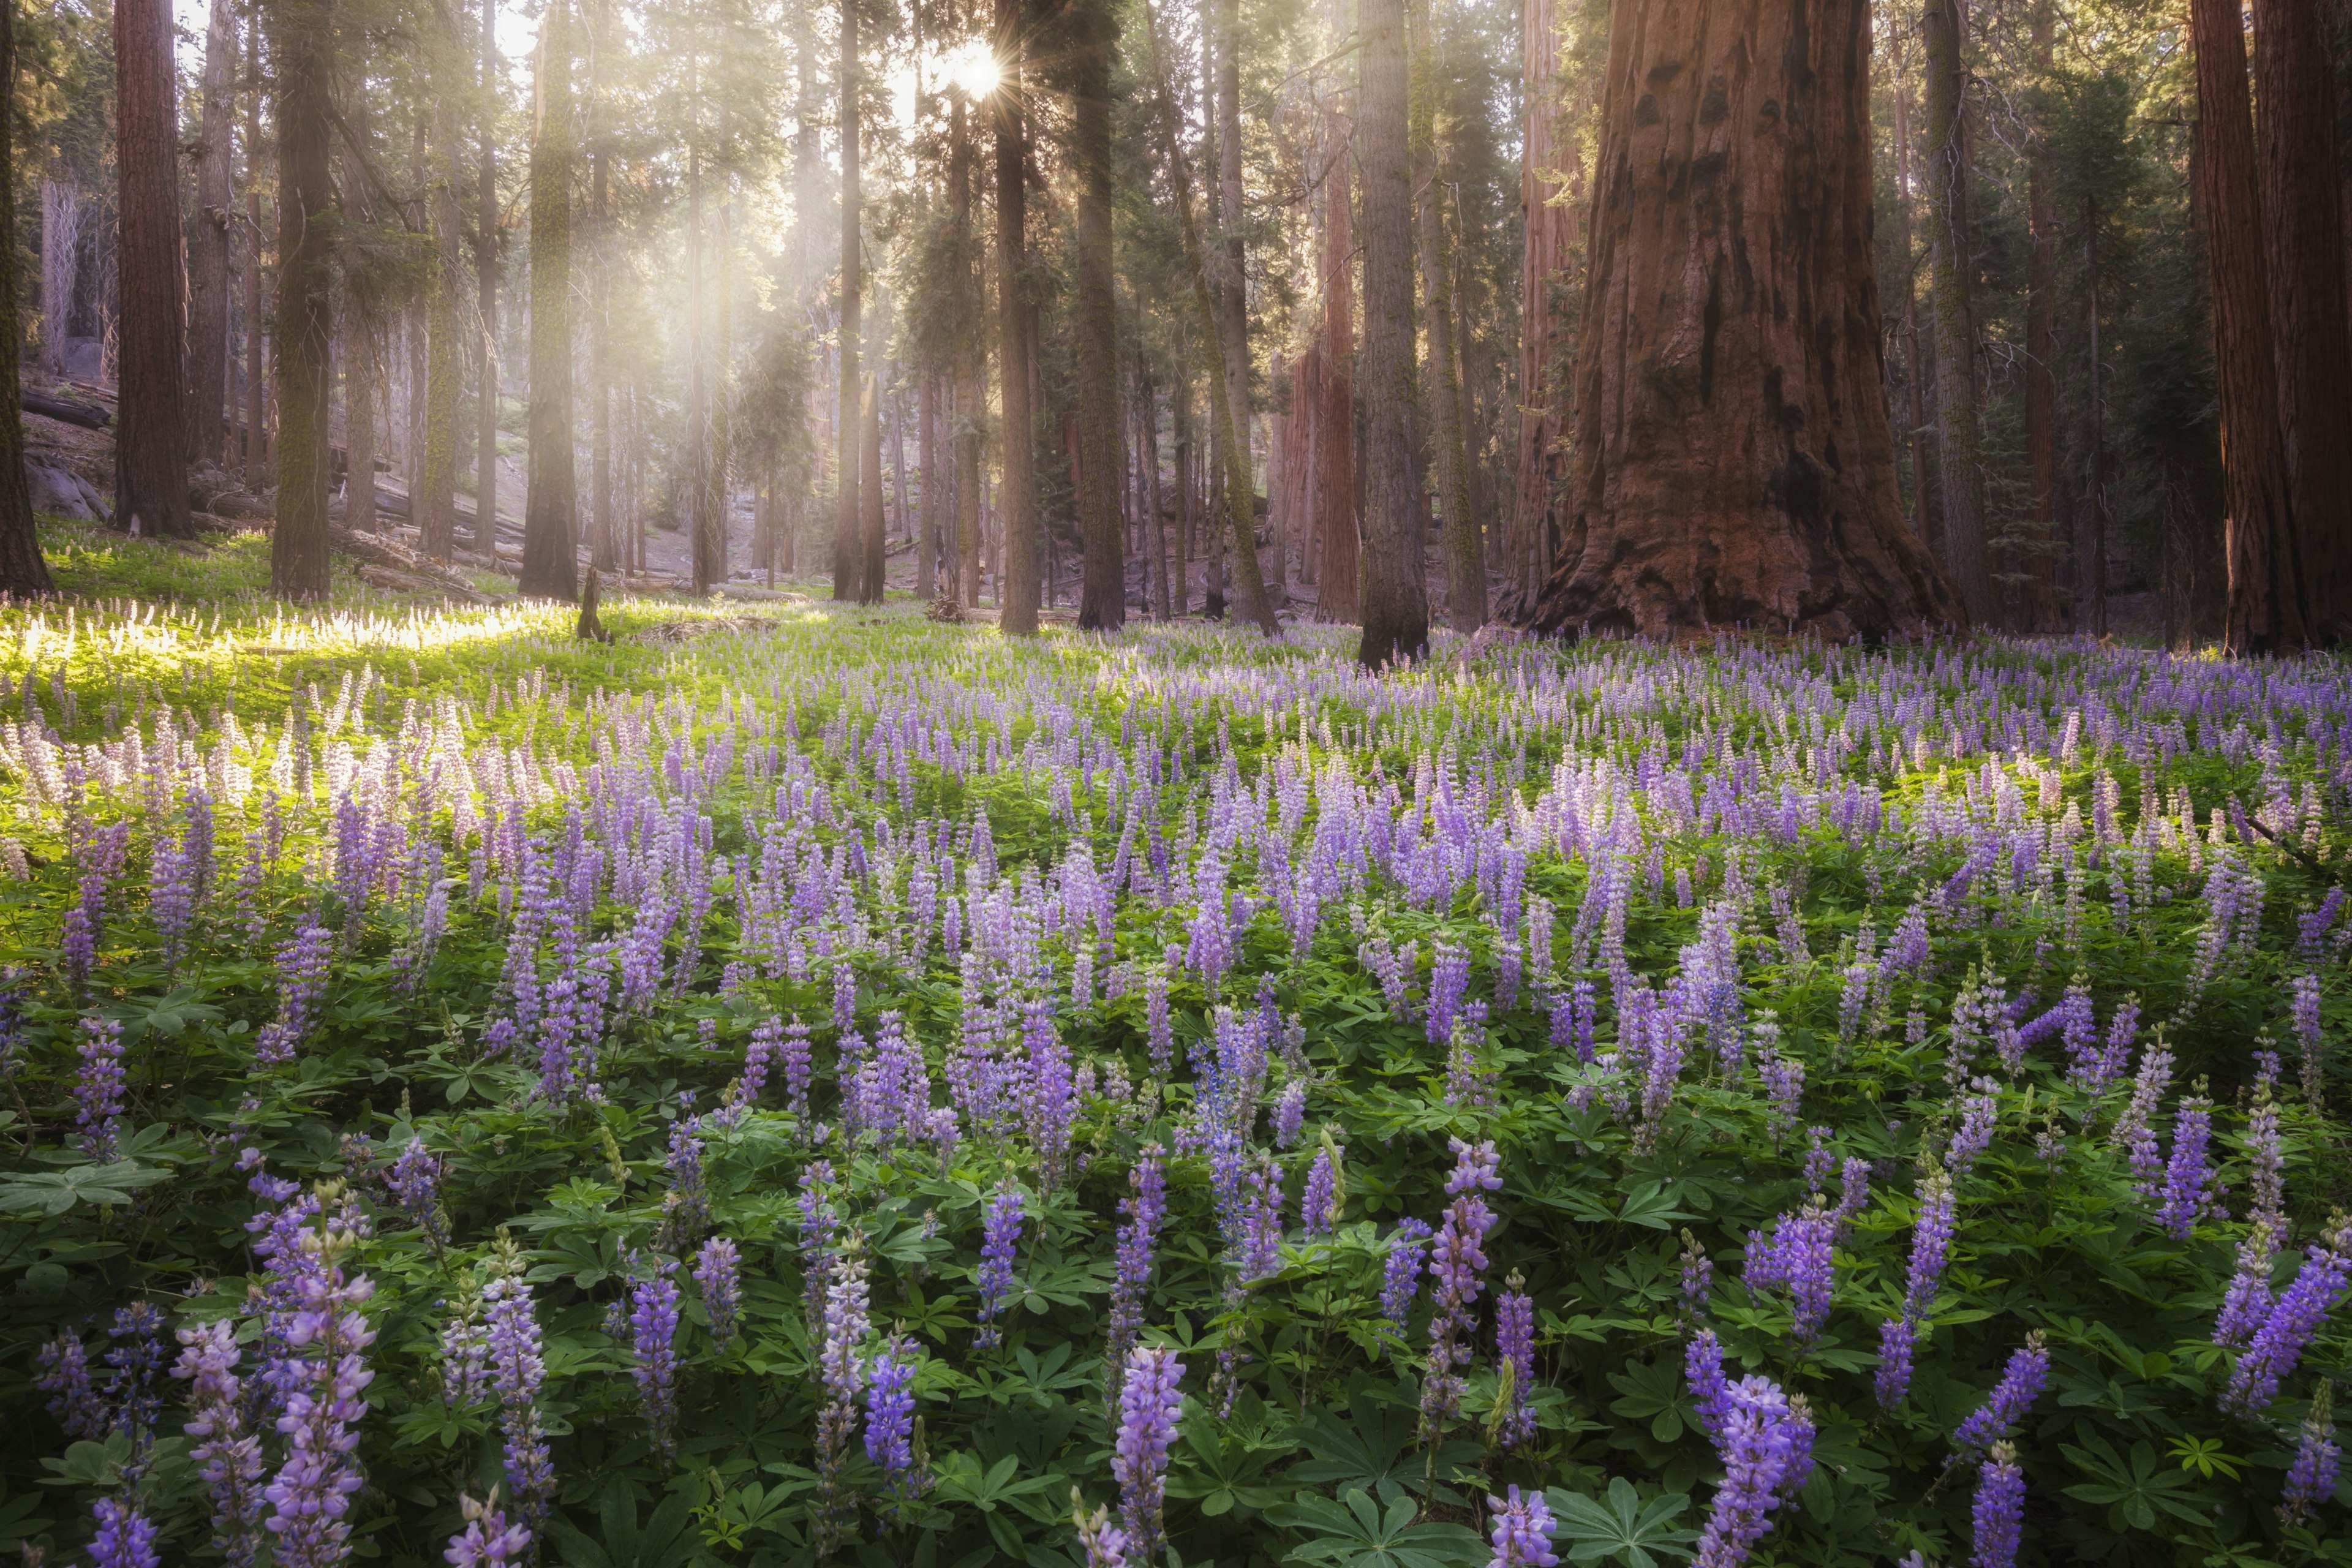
[1959,424]
[1395,598]
[303,44]
[1926,500]
[1465,555]
[1339,592]
[2038,594]
[1232,292]
[550,551]
[698,378]
[151,448]
[874,579]
[1548,183]
[1734,461]
[1102,604]
[715,507]
[23,571]
[1147,433]
[61,214]
[603,529]
[2094,561]
[256,452]
[927,453]
[1019,588]
[435,494]
[972,363]
[848,553]
[362,323]
[2303,221]
[2268,598]
[208,273]
[486,265]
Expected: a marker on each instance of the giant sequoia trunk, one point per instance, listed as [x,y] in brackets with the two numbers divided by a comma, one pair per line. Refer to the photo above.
[550,555]
[1102,604]
[2304,223]
[1465,555]
[1959,423]
[1396,600]
[1338,593]
[970,388]
[1548,183]
[303,42]
[151,448]
[848,552]
[486,283]
[1734,461]
[209,274]
[1018,588]
[23,571]
[2268,604]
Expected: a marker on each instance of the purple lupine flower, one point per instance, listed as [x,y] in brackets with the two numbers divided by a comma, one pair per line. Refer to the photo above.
[228,1457]
[99,1089]
[1289,1113]
[1820,1160]
[2246,1303]
[125,1537]
[96,854]
[465,1357]
[2135,1129]
[764,1049]
[311,1493]
[1401,1272]
[2187,1183]
[1104,1544]
[1980,1118]
[2266,1152]
[176,877]
[517,1372]
[1148,1403]
[416,1184]
[653,1323]
[2311,1479]
[686,1207]
[1259,1254]
[1000,1245]
[1457,1265]
[1784,1090]
[1893,1380]
[818,1224]
[1449,981]
[1050,1097]
[1523,1530]
[2303,1012]
[1475,1165]
[799,1069]
[488,1541]
[1798,1256]
[1146,1208]
[718,1270]
[1514,1347]
[842,1368]
[134,1360]
[64,1378]
[1710,1392]
[1997,1518]
[1931,1245]
[1698,1277]
[2020,1384]
[1766,1443]
[890,1412]
[1319,1205]
[2303,1306]
[301,986]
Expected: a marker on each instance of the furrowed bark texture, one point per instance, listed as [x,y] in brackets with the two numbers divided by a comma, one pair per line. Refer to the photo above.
[1734,461]
[1959,425]
[550,503]
[1102,604]
[1395,599]
[2038,591]
[208,275]
[1338,594]
[1018,593]
[436,498]
[486,283]
[1465,553]
[848,553]
[302,43]
[150,448]
[1548,183]
[2303,219]
[23,571]
[2267,605]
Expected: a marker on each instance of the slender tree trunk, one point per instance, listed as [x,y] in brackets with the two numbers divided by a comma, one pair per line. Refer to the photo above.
[1147,433]
[151,448]
[1960,437]
[1466,556]
[715,510]
[848,556]
[972,364]
[1019,589]
[1395,599]
[1232,292]
[486,264]
[697,380]
[2268,598]
[1103,602]
[1734,462]
[255,451]
[1547,187]
[1926,498]
[302,50]
[434,498]
[208,270]
[874,579]
[362,325]
[2095,552]
[2038,589]
[23,571]
[927,453]
[61,207]
[550,506]
[2305,272]
[1339,591]
[603,526]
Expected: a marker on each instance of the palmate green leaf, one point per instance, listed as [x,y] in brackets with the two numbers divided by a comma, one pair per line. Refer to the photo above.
[1622,1526]
[52,1192]
[1356,1531]
[2136,1492]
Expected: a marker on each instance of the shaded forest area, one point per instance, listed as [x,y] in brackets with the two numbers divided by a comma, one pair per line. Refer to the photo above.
[703,293]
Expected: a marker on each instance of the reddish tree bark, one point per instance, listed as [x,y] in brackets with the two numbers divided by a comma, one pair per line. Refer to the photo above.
[1396,599]
[2267,607]
[1102,604]
[1734,461]
[1338,592]
[2303,221]
[302,49]
[1018,586]
[209,268]
[150,448]
[23,571]
[1550,182]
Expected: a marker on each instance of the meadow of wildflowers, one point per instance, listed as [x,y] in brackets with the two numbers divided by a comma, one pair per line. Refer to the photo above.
[825,1085]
